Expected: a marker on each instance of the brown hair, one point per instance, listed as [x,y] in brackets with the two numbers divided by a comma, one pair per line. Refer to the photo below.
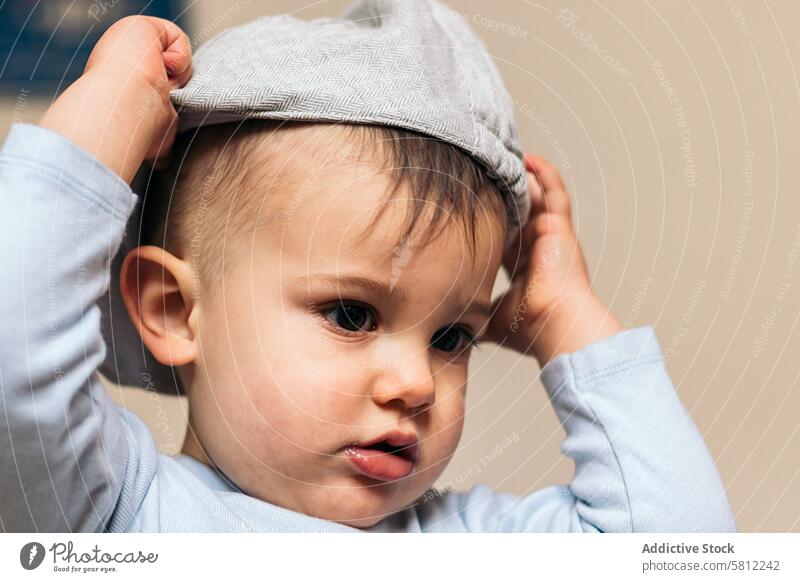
[203,194]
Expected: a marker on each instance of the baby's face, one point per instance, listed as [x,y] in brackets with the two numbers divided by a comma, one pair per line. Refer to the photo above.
[320,340]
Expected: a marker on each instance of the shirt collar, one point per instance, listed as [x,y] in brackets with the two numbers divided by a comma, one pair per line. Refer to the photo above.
[211,476]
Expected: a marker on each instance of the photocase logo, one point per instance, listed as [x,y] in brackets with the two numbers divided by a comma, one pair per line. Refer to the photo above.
[31,555]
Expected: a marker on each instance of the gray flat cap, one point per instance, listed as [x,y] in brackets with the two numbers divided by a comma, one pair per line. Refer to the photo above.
[413,64]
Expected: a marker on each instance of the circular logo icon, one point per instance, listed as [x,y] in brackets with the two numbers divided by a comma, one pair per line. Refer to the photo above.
[31,555]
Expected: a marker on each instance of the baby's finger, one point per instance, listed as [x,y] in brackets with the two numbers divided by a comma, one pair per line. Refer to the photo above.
[518,254]
[556,199]
[178,61]
[177,51]
[183,78]
[536,193]
[514,256]
[551,179]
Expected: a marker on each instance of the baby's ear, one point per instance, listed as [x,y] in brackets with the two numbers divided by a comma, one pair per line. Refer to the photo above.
[156,287]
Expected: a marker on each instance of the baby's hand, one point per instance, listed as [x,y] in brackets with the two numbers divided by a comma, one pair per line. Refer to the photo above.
[550,306]
[119,109]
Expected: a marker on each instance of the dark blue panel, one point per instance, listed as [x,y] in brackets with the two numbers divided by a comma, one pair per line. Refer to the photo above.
[44,44]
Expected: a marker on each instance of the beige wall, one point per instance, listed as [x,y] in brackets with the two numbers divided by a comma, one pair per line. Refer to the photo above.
[687,206]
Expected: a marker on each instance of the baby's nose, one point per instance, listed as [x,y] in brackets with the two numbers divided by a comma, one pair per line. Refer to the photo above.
[409,381]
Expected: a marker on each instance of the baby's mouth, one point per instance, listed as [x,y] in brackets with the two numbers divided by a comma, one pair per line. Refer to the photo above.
[389,457]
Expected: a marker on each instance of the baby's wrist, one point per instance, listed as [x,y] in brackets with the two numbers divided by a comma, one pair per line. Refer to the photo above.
[98,113]
[570,326]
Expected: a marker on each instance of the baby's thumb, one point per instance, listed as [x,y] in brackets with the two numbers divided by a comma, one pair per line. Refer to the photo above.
[507,313]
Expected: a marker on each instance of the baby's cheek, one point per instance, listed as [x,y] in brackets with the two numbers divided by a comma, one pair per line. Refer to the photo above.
[447,423]
[271,430]
[304,396]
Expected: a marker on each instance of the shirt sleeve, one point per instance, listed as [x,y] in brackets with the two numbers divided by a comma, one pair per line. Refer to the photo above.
[640,462]
[71,459]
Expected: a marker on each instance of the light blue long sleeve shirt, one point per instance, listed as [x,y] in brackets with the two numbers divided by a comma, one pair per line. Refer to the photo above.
[72,460]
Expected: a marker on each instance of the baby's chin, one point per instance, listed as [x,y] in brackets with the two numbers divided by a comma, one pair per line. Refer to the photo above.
[358,501]
[363,508]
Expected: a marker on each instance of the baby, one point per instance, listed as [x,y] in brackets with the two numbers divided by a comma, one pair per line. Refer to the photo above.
[317,289]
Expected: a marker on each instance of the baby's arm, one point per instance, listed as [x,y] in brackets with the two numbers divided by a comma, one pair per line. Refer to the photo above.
[640,463]
[71,460]
[63,447]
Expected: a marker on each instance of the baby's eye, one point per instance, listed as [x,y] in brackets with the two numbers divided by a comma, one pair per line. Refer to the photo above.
[351,317]
[453,339]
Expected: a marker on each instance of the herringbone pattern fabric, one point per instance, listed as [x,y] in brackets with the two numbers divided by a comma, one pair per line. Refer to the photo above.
[413,64]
